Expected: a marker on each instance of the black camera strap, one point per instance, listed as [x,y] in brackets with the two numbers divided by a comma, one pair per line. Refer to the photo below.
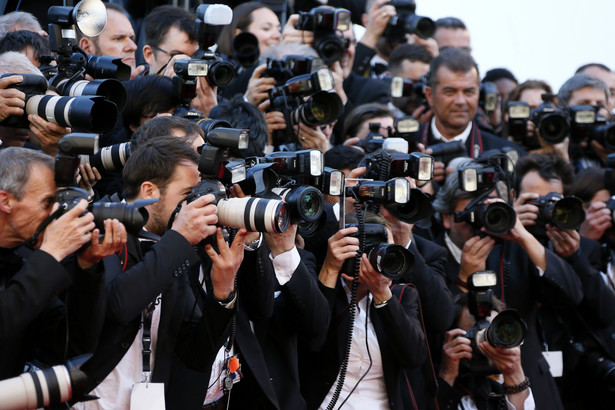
[33,240]
[147,341]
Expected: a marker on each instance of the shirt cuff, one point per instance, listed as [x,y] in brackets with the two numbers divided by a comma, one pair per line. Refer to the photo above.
[285,264]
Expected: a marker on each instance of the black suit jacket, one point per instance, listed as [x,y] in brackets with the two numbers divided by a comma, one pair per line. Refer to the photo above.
[183,333]
[400,337]
[522,288]
[33,316]
[300,314]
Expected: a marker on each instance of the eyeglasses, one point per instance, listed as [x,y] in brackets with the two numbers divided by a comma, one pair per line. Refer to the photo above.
[349,42]
[164,51]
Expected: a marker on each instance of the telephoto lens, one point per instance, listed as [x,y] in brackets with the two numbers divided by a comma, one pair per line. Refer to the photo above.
[391,261]
[133,216]
[321,109]
[304,203]
[506,330]
[498,218]
[254,214]
[109,158]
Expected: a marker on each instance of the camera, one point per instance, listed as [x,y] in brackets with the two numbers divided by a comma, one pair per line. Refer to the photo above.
[211,18]
[407,22]
[107,67]
[291,66]
[91,114]
[73,146]
[407,94]
[445,152]
[305,204]
[109,158]
[518,116]
[253,214]
[406,127]
[45,387]
[557,210]
[393,191]
[221,73]
[552,122]
[507,329]
[586,125]
[392,261]
[498,218]
[383,166]
[308,162]
[245,49]
[325,22]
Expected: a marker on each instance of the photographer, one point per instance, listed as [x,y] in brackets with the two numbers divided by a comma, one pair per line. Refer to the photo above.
[539,177]
[45,133]
[472,391]
[149,279]
[32,315]
[387,334]
[529,273]
[453,94]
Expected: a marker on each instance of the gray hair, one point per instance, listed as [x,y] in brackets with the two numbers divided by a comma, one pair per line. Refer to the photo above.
[15,167]
[581,80]
[25,21]
[284,48]
[450,192]
[15,62]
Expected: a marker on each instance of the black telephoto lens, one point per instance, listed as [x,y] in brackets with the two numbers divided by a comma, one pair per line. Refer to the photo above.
[567,213]
[330,48]
[497,217]
[321,109]
[391,261]
[506,330]
[554,128]
[245,49]
[132,216]
[221,73]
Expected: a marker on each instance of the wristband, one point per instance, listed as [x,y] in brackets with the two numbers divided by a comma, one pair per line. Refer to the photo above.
[517,388]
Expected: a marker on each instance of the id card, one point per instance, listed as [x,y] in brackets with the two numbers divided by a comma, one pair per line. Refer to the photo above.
[147,396]
[556,362]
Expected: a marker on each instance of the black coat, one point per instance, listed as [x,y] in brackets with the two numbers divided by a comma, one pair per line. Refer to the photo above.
[522,288]
[400,338]
[183,333]
[33,317]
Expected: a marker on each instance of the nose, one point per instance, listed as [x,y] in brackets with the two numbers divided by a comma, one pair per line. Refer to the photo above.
[277,34]
[460,98]
[131,46]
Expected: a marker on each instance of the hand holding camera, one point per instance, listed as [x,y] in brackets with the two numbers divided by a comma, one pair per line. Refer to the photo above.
[566,242]
[197,220]
[258,86]
[341,247]
[456,347]
[281,242]
[100,247]
[474,255]
[598,220]
[376,283]
[293,35]
[69,232]
[47,133]
[377,20]
[12,100]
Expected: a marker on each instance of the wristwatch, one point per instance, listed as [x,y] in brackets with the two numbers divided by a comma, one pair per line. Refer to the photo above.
[229,301]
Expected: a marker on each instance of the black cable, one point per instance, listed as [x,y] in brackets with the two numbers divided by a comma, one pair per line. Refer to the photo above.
[352,308]
[368,355]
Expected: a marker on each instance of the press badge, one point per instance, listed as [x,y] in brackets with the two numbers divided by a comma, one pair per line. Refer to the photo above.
[147,396]
[556,363]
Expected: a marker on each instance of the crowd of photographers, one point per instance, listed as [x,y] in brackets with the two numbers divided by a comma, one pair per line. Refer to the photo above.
[269,207]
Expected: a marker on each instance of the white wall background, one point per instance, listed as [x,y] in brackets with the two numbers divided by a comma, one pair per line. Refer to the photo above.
[537,39]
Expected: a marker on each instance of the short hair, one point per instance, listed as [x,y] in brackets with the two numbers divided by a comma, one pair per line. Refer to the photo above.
[158,22]
[586,183]
[241,114]
[242,18]
[155,160]
[499,73]
[450,193]
[14,62]
[343,157]
[21,39]
[515,94]
[590,65]
[361,113]
[277,51]
[148,95]
[455,60]
[164,126]
[15,166]
[27,21]
[581,80]
[549,167]
[412,52]
[450,22]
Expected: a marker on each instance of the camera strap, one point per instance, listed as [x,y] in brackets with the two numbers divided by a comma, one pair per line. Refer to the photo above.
[33,240]
[147,341]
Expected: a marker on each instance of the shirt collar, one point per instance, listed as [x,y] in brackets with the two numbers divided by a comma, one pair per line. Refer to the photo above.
[438,135]
[453,249]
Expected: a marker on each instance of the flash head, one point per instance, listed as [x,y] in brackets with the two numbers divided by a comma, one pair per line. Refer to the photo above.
[482,279]
[90,16]
[191,68]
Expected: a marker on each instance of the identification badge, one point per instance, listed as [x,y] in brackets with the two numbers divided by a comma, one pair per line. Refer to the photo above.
[556,362]
[231,373]
[147,396]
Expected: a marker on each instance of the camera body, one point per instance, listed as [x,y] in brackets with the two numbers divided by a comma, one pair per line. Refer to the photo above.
[489,97]
[557,210]
[407,22]
[325,22]
[507,329]
[291,66]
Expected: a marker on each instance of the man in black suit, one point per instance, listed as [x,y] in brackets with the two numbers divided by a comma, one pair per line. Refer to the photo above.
[33,317]
[453,94]
[385,318]
[148,286]
[528,273]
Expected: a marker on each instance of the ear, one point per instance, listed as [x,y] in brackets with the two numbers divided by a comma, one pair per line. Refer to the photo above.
[148,54]
[237,31]
[446,221]
[429,95]
[6,202]
[87,45]
[149,190]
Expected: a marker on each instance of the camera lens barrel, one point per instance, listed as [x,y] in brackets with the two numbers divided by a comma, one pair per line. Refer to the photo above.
[254,214]
[506,330]
[566,213]
[497,217]
[321,109]
[304,203]
[112,157]
[132,217]
[111,89]
[91,114]
[554,127]
[391,261]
